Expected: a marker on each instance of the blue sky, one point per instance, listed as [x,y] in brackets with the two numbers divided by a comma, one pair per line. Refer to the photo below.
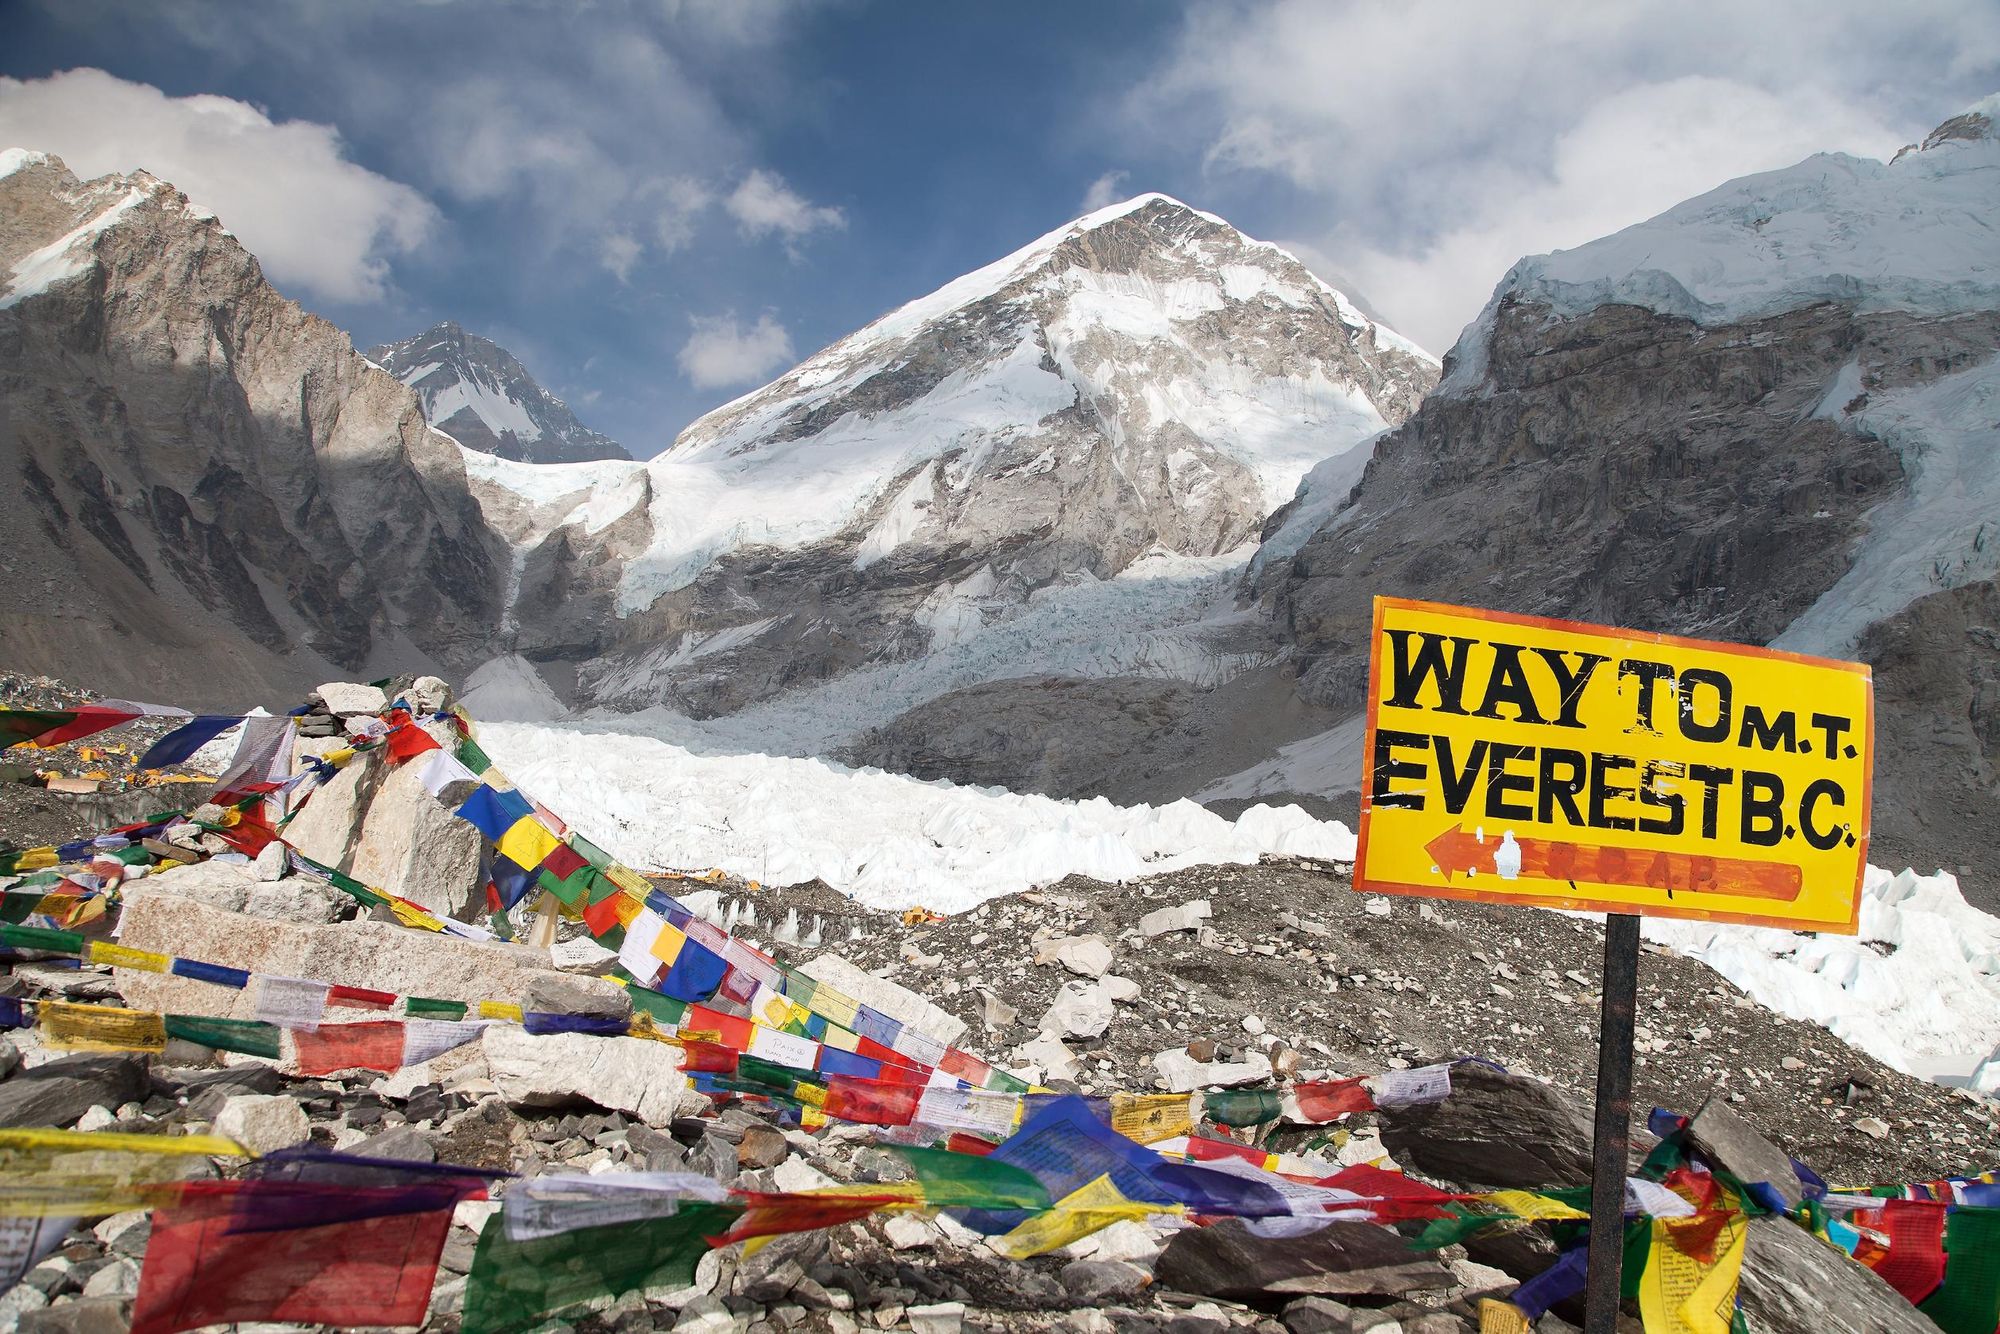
[660,205]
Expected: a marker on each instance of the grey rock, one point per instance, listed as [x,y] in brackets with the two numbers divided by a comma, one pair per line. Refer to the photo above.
[1732,1144]
[1227,1260]
[1794,1284]
[88,1315]
[10,1057]
[566,993]
[1318,1315]
[404,1144]
[1498,1131]
[57,1092]
[1097,1282]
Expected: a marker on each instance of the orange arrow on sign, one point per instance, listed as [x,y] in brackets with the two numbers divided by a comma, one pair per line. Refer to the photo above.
[1457,850]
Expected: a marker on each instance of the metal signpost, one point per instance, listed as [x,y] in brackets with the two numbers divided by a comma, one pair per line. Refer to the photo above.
[1517,759]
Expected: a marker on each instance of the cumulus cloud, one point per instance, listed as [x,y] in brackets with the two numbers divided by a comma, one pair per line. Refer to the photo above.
[721,353]
[1435,143]
[316,220]
[764,204]
[619,253]
[1105,191]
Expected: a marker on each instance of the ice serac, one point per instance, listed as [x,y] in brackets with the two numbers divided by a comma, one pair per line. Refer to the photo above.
[476,392]
[1770,414]
[212,497]
[1144,382]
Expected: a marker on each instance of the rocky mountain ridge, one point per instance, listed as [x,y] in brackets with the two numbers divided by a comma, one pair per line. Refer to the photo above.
[1764,416]
[1144,381]
[476,392]
[216,496]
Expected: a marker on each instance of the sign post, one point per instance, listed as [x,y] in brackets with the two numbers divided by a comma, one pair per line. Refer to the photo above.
[1517,759]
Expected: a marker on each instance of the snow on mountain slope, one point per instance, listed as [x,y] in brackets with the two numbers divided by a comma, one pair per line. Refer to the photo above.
[1915,233]
[1144,380]
[475,391]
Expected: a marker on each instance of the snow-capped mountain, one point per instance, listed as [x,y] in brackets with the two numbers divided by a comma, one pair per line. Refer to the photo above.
[1146,382]
[1770,414]
[212,497]
[476,392]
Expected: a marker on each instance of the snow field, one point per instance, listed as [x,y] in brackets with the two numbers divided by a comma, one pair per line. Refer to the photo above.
[883,840]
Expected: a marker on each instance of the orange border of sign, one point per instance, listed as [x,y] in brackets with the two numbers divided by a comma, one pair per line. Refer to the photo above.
[1447,891]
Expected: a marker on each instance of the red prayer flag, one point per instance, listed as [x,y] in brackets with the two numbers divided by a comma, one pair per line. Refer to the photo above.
[375,1045]
[872,1102]
[1324,1099]
[90,719]
[735,1029]
[360,998]
[199,1271]
[563,862]
[960,1142]
[1914,1265]
[1396,1197]
[408,741]
[708,1058]
[770,1215]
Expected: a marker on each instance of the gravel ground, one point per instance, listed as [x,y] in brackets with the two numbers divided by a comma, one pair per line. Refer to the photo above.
[31,815]
[1354,992]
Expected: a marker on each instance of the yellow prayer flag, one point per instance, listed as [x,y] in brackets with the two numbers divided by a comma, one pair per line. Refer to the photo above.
[409,914]
[1527,1204]
[1148,1118]
[1089,1208]
[211,1146]
[627,879]
[835,1006]
[100,1027]
[1498,1317]
[123,956]
[527,841]
[500,1010]
[1680,1293]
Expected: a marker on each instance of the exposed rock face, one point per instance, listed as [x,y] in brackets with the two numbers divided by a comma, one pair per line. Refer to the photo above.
[215,497]
[1763,416]
[1147,379]
[475,391]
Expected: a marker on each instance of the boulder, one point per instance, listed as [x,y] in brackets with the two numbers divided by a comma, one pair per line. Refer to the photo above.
[633,1075]
[344,699]
[1103,1282]
[1186,917]
[1341,1259]
[1795,1284]
[1318,1315]
[1182,1073]
[1086,956]
[1731,1143]
[263,1123]
[1497,1131]
[58,1092]
[376,955]
[380,825]
[85,1315]
[1080,1010]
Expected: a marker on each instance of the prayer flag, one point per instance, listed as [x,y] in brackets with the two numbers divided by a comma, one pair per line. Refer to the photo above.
[1969,1301]
[526,842]
[967,1179]
[1689,1282]
[99,1027]
[366,1046]
[250,1037]
[493,811]
[200,1270]
[515,1285]
[176,746]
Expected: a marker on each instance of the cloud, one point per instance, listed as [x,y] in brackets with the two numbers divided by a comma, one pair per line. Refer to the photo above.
[1105,191]
[620,252]
[316,221]
[721,353]
[764,204]
[683,200]
[1424,147]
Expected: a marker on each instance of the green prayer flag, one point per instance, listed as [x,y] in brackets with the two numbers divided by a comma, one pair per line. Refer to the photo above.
[951,1179]
[472,757]
[1638,1249]
[426,1008]
[666,1011]
[757,1070]
[1968,1302]
[1456,1227]
[41,938]
[1242,1107]
[515,1285]
[248,1036]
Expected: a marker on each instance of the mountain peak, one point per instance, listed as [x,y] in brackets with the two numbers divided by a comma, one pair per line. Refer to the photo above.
[475,391]
[1981,120]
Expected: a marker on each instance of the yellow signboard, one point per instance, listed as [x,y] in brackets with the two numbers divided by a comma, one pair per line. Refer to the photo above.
[1525,760]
